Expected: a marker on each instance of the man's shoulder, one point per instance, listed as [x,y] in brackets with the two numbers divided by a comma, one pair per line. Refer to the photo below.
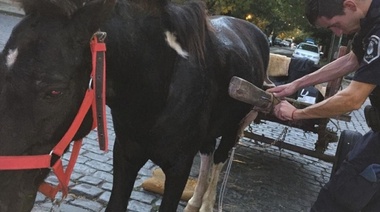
[365,43]
[372,52]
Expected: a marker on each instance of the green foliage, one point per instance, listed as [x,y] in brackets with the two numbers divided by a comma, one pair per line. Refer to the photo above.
[279,18]
[282,18]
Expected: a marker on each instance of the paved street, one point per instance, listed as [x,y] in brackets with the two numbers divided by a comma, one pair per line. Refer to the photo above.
[262,178]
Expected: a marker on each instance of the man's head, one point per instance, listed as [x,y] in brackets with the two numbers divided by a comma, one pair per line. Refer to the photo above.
[340,16]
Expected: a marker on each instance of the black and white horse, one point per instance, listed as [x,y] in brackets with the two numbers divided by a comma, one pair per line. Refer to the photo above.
[168,71]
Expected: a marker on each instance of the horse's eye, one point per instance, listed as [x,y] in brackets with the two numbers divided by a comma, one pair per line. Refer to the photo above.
[53,94]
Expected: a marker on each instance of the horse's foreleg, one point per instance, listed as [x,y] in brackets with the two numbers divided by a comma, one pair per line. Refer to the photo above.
[195,202]
[175,181]
[209,197]
[125,170]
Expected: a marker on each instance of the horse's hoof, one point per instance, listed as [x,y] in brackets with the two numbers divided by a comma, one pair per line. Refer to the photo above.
[190,208]
[206,208]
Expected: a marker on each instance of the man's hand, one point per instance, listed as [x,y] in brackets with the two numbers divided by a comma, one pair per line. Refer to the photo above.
[284,111]
[283,90]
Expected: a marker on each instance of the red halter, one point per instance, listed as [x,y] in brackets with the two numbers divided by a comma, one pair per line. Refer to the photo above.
[95,97]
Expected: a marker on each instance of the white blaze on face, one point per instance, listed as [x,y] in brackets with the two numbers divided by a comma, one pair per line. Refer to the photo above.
[172,41]
[11,57]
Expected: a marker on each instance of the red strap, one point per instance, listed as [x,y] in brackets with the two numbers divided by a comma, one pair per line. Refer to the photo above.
[98,75]
[89,99]
[48,190]
[67,138]
[43,161]
[62,176]
[97,47]
[24,162]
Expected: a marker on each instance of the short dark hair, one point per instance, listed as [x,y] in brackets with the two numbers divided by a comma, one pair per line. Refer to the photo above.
[326,8]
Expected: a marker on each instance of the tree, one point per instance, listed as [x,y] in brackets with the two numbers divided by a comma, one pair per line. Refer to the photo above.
[283,18]
[280,16]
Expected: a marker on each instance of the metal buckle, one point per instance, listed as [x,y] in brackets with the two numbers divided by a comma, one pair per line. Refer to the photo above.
[101,36]
[90,84]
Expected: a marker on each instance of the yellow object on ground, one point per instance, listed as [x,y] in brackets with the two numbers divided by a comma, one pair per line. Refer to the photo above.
[156,184]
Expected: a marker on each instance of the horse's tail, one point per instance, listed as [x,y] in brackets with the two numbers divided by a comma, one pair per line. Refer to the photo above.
[190,23]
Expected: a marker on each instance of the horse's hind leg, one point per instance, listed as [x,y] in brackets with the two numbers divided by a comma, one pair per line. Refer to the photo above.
[209,197]
[125,170]
[195,202]
[219,158]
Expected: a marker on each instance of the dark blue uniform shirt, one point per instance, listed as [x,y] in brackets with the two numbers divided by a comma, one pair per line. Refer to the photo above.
[366,46]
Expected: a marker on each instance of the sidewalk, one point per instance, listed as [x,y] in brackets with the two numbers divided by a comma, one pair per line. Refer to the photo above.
[263,177]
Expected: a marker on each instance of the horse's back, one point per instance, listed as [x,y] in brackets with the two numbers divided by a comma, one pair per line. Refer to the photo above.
[243,41]
[239,26]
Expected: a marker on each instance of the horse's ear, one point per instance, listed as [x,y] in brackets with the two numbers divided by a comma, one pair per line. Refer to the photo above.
[90,17]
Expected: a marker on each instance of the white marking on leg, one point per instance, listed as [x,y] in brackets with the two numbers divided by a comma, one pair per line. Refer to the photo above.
[204,173]
[171,39]
[11,57]
[210,195]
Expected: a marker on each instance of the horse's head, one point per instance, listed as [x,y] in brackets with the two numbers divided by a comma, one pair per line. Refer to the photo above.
[44,73]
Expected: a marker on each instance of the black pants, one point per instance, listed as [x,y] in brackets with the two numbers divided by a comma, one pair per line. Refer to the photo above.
[356,185]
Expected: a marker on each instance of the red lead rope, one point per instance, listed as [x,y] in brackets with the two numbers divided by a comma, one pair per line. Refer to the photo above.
[94,97]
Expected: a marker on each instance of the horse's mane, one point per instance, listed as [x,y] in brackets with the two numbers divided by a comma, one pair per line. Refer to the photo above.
[189,21]
[62,7]
[191,24]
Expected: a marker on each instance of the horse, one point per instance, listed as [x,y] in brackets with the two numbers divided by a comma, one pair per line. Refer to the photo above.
[168,72]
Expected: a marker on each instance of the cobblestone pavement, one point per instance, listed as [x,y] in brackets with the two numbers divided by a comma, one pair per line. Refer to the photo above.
[262,178]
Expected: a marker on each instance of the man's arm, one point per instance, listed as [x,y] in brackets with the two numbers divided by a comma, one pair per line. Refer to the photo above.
[338,68]
[347,100]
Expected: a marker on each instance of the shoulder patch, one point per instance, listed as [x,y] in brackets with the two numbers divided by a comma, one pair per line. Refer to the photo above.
[373,50]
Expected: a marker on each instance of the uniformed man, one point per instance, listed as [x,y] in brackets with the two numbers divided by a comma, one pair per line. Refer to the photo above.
[355,186]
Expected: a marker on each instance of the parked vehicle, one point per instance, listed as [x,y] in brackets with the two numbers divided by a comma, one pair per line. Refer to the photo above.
[270,41]
[290,41]
[277,42]
[310,40]
[309,51]
[285,43]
